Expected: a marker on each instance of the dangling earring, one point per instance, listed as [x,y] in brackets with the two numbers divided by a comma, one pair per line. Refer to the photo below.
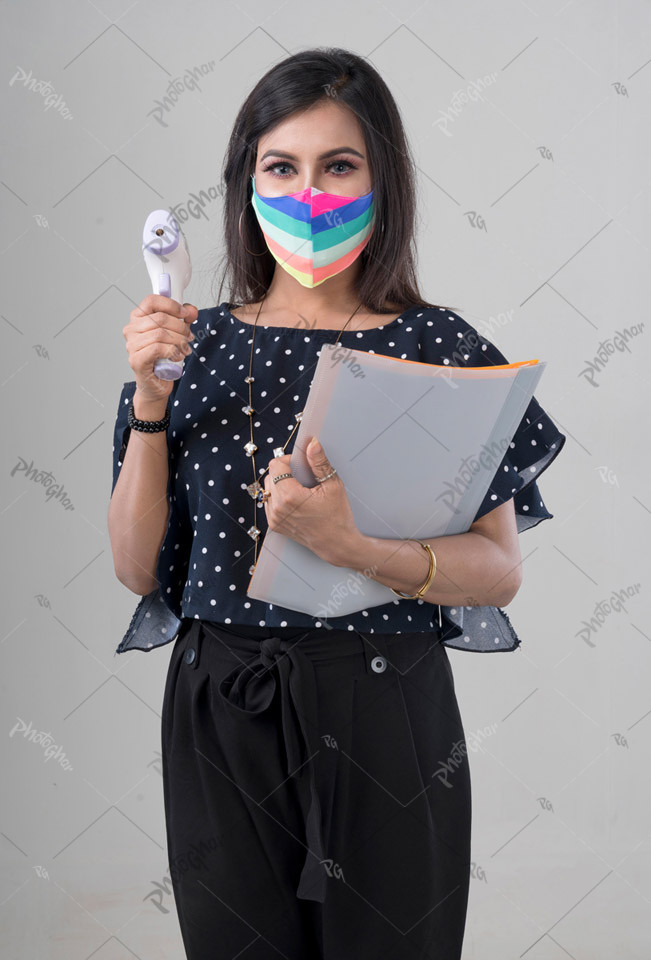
[239,230]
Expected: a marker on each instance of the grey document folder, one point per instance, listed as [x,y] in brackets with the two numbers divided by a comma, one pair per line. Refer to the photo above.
[416,445]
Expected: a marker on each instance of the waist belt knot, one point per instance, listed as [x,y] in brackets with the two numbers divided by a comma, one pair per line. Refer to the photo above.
[269,648]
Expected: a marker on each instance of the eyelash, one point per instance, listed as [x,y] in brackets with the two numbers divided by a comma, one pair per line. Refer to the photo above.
[285,163]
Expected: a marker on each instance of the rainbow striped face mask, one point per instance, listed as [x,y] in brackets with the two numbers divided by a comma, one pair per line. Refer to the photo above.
[314,235]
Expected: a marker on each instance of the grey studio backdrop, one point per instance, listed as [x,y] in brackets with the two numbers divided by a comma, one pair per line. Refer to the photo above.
[527,121]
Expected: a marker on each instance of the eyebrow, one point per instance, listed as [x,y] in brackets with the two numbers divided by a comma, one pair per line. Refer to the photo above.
[322,156]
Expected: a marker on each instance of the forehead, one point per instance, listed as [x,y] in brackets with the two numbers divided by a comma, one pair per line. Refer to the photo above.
[309,132]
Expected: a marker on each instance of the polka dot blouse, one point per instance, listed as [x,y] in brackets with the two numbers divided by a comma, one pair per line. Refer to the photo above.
[203,565]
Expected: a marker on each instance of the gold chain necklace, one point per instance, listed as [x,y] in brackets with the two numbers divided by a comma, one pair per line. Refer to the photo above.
[255,489]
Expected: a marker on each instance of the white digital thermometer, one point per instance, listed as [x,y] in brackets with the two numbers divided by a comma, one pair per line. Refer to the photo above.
[167,259]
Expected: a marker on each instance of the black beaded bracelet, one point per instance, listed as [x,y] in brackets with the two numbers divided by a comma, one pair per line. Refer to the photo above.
[147,426]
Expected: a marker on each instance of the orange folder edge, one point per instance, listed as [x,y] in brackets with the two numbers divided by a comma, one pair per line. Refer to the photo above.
[444,366]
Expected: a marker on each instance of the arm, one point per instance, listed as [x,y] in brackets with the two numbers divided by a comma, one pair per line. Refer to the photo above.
[139,509]
[481,567]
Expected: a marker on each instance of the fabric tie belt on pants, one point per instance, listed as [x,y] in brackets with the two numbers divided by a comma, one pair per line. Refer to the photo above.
[250,687]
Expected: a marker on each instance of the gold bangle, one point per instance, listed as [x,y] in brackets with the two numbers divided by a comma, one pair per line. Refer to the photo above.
[430,575]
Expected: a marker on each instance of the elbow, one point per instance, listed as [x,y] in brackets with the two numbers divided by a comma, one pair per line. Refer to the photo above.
[508,587]
[138,585]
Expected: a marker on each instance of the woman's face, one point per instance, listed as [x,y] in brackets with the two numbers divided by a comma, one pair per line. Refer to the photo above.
[322,147]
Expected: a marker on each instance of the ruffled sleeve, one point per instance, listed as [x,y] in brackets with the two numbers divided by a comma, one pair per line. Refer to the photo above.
[121,429]
[535,445]
[153,622]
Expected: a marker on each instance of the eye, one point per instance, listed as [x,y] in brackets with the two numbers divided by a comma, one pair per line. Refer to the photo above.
[345,163]
[272,167]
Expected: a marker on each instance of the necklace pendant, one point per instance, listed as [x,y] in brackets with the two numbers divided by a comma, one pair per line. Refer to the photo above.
[248,409]
[298,416]
[279,451]
[253,532]
[251,569]
[250,448]
[254,489]
[249,379]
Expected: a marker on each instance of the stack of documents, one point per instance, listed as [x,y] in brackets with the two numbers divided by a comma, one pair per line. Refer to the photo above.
[417,446]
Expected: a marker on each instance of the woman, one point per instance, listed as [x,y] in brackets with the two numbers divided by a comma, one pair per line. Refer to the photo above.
[316,781]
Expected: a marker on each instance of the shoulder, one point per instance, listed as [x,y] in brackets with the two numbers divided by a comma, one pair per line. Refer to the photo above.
[443,318]
[452,327]
[208,319]
[458,341]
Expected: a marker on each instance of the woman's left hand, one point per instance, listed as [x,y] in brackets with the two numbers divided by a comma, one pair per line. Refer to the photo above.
[318,517]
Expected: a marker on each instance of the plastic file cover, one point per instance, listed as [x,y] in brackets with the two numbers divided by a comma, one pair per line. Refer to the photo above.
[416,445]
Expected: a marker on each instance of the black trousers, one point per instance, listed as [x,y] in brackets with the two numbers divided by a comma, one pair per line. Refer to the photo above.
[317,794]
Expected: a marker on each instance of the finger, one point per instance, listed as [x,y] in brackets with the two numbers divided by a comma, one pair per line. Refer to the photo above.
[278,465]
[191,313]
[157,303]
[318,460]
[158,321]
[160,335]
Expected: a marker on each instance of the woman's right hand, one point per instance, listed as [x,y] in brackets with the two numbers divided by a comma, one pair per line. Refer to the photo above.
[159,328]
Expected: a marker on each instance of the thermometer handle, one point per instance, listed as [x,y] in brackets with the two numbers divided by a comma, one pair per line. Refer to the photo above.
[167,369]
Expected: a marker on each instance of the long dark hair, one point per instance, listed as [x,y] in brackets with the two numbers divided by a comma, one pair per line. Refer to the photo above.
[388,275]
